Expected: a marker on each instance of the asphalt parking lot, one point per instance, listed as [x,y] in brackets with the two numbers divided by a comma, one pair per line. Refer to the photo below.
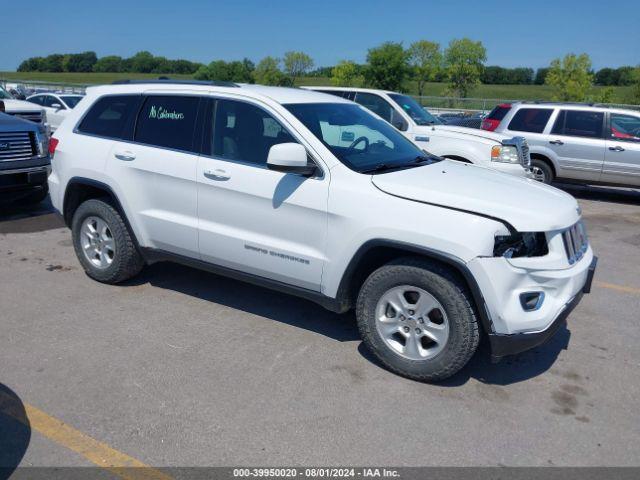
[184,368]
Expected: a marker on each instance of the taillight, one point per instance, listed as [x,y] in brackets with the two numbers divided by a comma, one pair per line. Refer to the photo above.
[489,124]
[53,143]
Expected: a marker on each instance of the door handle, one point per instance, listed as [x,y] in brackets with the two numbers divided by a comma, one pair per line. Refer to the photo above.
[218,175]
[125,156]
[617,148]
[421,138]
[556,142]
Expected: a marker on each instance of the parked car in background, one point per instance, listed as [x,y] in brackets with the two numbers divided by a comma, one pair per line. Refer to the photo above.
[23,109]
[462,119]
[497,151]
[24,160]
[575,142]
[316,196]
[57,106]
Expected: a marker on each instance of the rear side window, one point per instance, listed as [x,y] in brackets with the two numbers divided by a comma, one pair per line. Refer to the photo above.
[532,120]
[109,116]
[579,123]
[168,122]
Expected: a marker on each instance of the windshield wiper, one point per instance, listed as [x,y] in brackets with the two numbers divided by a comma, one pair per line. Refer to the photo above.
[417,161]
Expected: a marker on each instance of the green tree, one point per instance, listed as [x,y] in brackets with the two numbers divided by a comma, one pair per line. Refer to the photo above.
[33,64]
[541,76]
[110,63]
[53,63]
[464,62]
[227,71]
[387,66]
[426,59]
[635,88]
[79,62]
[297,64]
[142,62]
[345,74]
[570,78]
[268,72]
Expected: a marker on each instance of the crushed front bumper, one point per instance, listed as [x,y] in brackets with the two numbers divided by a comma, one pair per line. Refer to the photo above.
[511,344]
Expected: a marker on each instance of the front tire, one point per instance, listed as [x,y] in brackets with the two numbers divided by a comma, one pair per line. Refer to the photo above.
[416,317]
[103,243]
[542,171]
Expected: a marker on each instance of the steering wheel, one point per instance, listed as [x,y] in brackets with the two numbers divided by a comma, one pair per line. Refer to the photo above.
[357,141]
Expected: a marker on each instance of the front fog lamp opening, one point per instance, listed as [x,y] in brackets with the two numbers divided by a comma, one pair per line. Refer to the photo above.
[531,301]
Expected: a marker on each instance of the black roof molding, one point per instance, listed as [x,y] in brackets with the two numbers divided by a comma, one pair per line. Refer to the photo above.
[171,81]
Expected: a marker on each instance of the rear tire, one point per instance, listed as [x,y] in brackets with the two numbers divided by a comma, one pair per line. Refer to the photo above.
[439,332]
[542,171]
[104,244]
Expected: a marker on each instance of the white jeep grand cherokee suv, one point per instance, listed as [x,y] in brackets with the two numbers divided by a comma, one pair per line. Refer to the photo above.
[507,154]
[258,183]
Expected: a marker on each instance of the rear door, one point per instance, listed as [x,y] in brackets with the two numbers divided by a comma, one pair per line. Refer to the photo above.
[157,171]
[577,139]
[622,154]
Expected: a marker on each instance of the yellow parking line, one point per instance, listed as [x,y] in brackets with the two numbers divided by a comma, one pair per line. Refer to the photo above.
[619,288]
[96,452]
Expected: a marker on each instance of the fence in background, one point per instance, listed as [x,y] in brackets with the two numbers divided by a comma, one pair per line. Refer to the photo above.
[435,105]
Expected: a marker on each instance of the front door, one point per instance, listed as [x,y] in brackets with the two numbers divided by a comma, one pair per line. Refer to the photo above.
[622,156]
[253,219]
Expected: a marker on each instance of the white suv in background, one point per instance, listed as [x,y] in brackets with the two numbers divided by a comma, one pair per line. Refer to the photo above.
[575,142]
[57,105]
[258,183]
[508,154]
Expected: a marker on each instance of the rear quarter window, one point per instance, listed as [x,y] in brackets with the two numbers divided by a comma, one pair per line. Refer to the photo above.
[110,115]
[168,122]
[532,120]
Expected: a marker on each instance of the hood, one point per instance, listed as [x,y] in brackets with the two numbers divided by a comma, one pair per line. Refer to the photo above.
[9,123]
[457,131]
[527,205]
[12,105]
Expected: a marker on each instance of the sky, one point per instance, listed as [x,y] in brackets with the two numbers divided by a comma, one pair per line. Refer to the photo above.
[515,33]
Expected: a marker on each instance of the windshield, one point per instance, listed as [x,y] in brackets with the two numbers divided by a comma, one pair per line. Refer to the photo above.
[71,101]
[360,140]
[4,94]
[414,110]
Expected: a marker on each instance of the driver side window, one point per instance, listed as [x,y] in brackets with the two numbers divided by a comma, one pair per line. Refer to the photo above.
[376,104]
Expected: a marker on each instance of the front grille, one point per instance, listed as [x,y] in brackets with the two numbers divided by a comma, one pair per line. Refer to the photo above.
[31,116]
[576,242]
[523,149]
[524,155]
[16,146]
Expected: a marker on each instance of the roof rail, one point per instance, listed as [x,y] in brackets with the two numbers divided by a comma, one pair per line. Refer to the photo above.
[168,81]
[545,102]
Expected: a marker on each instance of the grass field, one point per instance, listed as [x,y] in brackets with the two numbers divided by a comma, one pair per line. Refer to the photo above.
[503,92]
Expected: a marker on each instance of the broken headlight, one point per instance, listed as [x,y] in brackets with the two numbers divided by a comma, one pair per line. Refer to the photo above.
[528,244]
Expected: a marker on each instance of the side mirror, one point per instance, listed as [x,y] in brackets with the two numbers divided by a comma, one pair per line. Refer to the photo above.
[290,158]
[57,106]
